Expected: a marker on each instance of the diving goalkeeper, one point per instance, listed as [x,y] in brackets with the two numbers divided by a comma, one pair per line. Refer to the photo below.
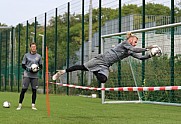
[100,64]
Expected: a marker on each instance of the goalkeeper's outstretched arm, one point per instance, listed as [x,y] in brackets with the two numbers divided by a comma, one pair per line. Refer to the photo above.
[141,57]
[129,47]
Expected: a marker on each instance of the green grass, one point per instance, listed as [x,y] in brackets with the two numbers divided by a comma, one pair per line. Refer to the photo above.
[79,110]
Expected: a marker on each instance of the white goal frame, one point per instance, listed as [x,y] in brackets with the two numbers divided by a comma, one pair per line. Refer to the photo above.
[124,33]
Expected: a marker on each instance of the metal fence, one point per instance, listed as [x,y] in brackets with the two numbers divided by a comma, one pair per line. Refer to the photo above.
[72,33]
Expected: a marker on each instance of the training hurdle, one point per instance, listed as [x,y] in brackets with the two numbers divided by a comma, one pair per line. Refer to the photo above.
[162,88]
[125,89]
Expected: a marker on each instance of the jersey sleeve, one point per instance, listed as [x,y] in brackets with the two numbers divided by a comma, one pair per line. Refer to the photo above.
[140,57]
[24,59]
[40,61]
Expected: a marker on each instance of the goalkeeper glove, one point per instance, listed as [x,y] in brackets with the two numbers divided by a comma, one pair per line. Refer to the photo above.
[111,69]
[29,69]
[150,47]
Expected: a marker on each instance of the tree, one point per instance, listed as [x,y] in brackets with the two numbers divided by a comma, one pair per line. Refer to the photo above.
[156,9]
[76,26]
[130,9]
[177,9]
[2,24]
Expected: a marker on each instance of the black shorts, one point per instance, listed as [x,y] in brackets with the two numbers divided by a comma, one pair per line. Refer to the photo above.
[32,81]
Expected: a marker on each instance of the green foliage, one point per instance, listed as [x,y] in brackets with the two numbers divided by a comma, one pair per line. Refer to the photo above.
[76,29]
[156,9]
[2,24]
[130,9]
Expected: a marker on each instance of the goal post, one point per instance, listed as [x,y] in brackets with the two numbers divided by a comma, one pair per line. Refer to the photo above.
[142,30]
[157,69]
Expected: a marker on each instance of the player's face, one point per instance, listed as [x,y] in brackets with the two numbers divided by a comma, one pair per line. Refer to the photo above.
[133,41]
[33,48]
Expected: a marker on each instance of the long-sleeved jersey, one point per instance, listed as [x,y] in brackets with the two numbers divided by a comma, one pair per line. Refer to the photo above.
[30,59]
[121,51]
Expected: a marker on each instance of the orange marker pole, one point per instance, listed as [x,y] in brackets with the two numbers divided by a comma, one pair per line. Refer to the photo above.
[47,82]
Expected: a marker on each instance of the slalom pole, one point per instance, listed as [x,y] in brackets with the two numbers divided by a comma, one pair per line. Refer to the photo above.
[47,82]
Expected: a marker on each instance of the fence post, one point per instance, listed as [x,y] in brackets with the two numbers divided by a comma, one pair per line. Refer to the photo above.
[19,40]
[27,27]
[172,52]
[12,47]
[44,71]
[35,30]
[0,57]
[143,44]
[82,61]
[99,51]
[119,63]
[55,37]
[68,40]
[6,74]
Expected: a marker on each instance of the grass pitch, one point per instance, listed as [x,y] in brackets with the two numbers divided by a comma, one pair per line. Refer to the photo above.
[79,110]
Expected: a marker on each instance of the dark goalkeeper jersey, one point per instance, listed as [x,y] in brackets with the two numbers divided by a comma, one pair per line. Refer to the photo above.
[121,51]
[30,59]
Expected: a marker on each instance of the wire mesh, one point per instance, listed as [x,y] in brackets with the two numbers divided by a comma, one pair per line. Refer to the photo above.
[131,19]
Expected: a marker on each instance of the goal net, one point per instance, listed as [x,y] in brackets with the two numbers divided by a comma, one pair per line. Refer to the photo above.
[155,72]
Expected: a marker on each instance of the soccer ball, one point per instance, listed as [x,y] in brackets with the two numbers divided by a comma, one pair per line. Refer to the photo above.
[34,67]
[6,104]
[156,51]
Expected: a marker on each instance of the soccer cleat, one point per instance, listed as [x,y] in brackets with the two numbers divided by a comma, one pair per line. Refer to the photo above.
[58,74]
[19,107]
[34,108]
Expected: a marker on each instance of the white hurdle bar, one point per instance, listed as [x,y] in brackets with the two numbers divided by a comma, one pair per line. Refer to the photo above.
[128,89]
[161,88]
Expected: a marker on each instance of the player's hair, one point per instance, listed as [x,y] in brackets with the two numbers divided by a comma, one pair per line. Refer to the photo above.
[32,43]
[129,34]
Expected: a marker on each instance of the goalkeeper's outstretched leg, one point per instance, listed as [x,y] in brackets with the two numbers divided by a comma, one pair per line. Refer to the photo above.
[101,77]
[73,68]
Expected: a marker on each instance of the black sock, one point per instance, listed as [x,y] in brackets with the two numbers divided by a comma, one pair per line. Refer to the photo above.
[23,91]
[76,67]
[33,96]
